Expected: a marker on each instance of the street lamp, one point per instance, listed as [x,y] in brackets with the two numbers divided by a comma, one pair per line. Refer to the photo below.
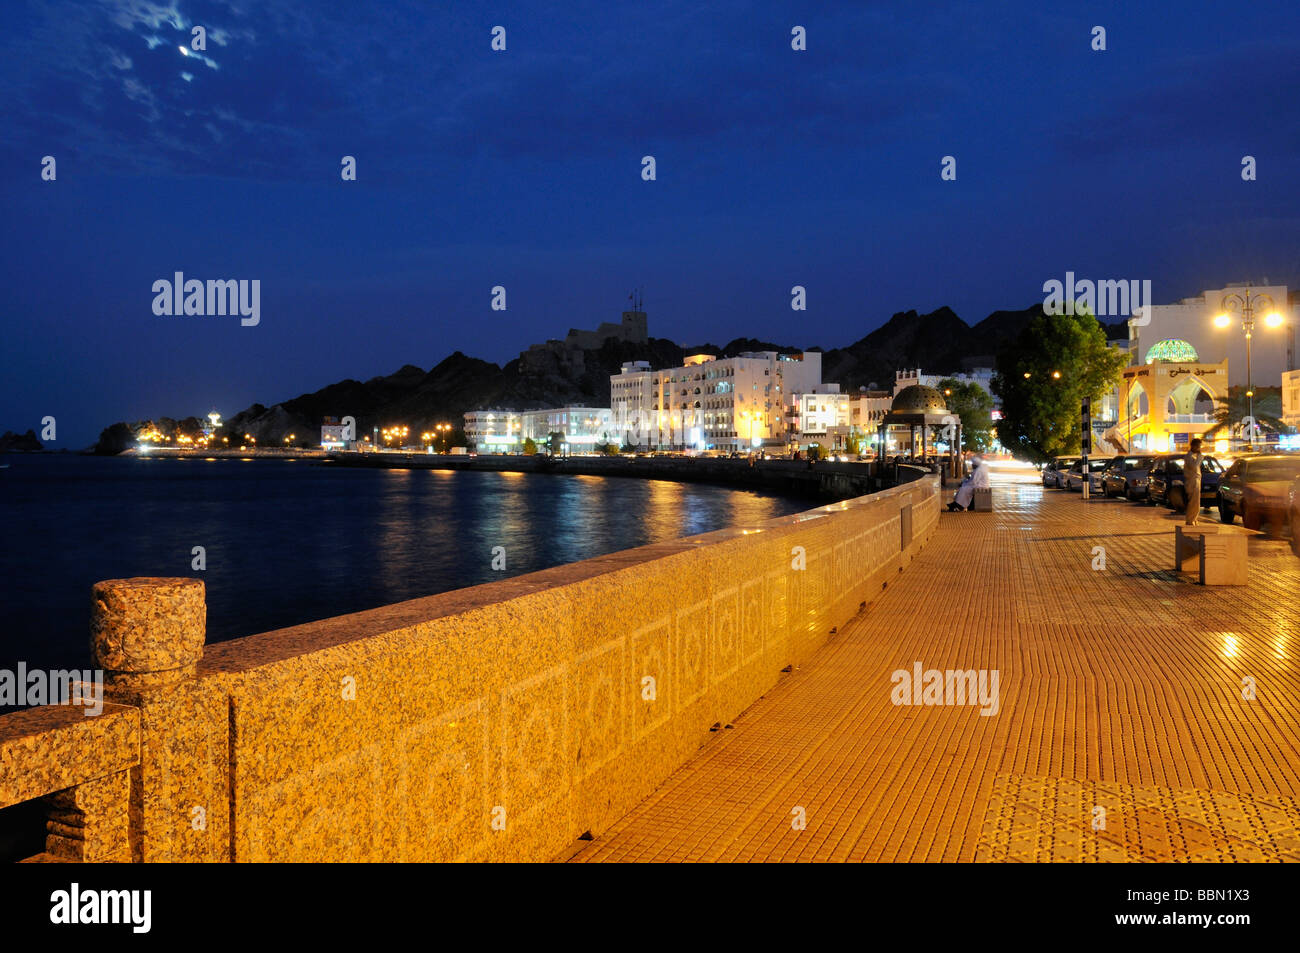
[1246,305]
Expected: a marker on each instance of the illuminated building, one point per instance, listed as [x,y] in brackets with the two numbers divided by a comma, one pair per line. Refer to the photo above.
[730,403]
[1169,398]
[494,431]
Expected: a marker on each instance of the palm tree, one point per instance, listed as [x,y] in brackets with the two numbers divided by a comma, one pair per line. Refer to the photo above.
[1231,410]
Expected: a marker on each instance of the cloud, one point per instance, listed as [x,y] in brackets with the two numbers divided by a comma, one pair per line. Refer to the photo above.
[300,82]
[130,14]
[195,55]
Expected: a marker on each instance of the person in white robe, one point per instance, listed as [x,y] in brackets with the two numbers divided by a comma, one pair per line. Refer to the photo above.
[978,480]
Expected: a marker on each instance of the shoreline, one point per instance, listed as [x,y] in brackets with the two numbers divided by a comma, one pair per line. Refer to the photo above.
[822,480]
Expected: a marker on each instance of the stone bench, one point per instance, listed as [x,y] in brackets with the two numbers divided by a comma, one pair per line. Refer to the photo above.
[983,500]
[1215,553]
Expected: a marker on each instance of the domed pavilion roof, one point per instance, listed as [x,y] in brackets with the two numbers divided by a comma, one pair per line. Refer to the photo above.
[1174,350]
[919,399]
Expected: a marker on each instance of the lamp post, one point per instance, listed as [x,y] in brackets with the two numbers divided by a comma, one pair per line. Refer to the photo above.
[1246,305]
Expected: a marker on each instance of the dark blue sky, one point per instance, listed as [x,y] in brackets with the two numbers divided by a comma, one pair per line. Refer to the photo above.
[522,169]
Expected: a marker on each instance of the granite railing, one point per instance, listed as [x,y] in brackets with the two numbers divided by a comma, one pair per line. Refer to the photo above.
[508,721]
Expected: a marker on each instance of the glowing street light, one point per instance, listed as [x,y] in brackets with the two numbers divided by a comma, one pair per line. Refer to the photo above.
[1245,305]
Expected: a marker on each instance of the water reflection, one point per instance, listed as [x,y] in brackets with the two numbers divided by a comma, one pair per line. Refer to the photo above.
[288,543]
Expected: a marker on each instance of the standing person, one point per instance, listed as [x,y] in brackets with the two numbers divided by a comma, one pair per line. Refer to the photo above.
[1192,481]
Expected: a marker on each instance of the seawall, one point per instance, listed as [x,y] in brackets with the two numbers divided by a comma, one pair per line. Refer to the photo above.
[821,480]
[501,722]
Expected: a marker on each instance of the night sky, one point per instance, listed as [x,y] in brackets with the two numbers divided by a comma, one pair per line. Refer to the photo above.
[523,169]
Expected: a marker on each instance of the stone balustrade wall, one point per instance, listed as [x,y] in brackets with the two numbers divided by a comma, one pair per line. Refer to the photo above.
[501,722]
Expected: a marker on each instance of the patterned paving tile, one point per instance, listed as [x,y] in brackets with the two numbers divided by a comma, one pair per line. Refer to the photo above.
[1121,686]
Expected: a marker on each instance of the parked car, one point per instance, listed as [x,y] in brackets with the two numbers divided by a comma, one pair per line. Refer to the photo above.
[1053,470]
[1072,479]
[1293,510]
[1257,488]
[1127,477]
[1098,475]
[1165,481]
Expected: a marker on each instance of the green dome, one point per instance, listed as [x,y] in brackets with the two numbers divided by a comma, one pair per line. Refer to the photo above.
[1174,350]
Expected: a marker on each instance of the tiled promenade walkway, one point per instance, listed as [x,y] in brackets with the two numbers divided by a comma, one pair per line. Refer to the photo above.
[1122,732]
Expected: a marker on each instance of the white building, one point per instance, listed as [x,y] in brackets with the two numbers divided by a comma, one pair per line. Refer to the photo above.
[1194,320]
[909,377]
[733,403]
[1291,398]
[982,376]
[634,402]
[334,434]
[494,431]
[866,409]
[331,437]
[583,428]
[824,417]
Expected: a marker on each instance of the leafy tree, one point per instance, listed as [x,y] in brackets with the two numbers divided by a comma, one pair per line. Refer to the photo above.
[115,439]
[190,427]
[530,446]
[555,443]
[974,405]
[1042,376]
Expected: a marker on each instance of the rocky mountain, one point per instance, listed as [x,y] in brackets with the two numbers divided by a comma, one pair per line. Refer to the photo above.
[553,374]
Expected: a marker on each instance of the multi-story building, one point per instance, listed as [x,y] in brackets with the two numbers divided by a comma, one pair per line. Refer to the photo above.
[494,431]
[867,408]
[583,428]
[334,434]
[733,403]
[1212,325]
[634,402]
[824,417]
